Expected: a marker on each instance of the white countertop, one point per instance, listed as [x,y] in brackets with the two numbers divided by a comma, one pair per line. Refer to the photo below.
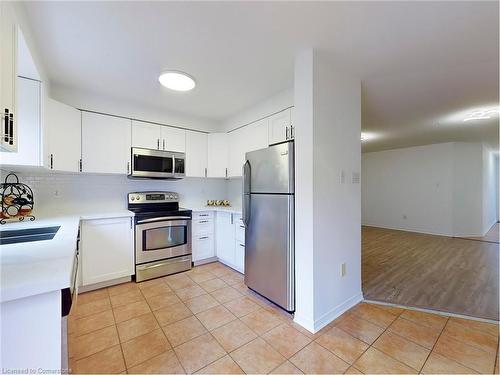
[235,210]
[32,268]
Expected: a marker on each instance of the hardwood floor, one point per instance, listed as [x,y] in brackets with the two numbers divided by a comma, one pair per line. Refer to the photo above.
[493,235]
[435,272]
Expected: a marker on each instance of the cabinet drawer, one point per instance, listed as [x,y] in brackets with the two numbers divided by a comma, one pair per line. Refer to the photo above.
[203,215]
[203,247]
[203,226]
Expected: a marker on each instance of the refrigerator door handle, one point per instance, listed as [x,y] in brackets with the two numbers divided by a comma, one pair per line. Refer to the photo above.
[247,172]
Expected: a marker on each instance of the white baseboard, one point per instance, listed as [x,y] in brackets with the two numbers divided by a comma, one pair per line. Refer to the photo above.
[314,326]
[407,230]
[104,284]
[205,261]
[338,310]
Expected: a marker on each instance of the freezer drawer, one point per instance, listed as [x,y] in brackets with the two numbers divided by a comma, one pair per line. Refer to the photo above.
[269,248]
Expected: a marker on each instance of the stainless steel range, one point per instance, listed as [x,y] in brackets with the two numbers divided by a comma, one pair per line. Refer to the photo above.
[162,234]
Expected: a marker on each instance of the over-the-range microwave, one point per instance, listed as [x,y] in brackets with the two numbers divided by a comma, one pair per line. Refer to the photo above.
[147,163]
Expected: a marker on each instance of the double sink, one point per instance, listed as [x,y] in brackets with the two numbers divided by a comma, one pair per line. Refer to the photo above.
[27,235]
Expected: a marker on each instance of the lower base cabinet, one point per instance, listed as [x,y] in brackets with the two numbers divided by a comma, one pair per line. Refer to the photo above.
[106,249]
[230,240]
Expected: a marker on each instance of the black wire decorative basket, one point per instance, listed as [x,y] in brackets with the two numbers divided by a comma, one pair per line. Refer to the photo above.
[17,200]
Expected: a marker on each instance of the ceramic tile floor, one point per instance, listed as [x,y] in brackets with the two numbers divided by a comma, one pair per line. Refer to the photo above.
[207,321]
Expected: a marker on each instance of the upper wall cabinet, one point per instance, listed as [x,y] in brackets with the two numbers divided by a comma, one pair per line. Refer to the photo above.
[158,137]
[29,110]
[217,155]
[196,154]
[106,142]
[174,139]
[62,128]
[248,138]
[8,74]
[146,135]
[281,127]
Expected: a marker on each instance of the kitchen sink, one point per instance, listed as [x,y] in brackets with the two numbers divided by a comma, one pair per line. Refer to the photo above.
[27,235]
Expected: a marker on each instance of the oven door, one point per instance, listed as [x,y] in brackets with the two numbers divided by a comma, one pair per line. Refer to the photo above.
[162,238]
[152,163]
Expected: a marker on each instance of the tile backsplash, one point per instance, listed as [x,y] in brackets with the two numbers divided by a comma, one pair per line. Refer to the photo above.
[62,193]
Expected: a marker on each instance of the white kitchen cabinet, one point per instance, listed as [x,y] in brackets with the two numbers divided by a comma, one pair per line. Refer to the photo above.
[196,154]
[239,243]
[8,75]
[203,245]
[224,238]
[248,138]
[29,112]
[107,249]
[236,153]
[173,139]
[106,142]
[63,135]
[280,127]
[146,135]
[158,137]
[217,155]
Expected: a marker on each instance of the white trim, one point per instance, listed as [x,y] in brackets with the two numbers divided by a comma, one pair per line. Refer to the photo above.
[314,326]
[407,230]
[436,312]
[338,310]
[104,284]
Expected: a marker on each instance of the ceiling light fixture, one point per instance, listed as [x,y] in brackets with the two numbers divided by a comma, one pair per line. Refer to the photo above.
[481,114]
[177,81]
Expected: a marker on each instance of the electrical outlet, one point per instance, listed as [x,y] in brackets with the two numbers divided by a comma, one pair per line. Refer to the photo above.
[342,177]
[405,217]
[343,269]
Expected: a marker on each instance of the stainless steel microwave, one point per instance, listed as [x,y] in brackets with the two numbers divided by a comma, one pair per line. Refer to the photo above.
[147,163]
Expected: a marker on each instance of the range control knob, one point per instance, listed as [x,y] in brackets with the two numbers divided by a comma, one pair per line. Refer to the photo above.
[132,198]
[137,197]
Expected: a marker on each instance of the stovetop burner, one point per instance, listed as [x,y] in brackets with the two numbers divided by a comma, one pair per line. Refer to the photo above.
[150,204]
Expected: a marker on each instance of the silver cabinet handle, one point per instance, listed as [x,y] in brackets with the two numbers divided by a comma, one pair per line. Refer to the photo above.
[242,245]
[11,128]
[164,142]
[51,161]
[202,221]
[226,172]
[6,126]
[80,165]
[158,144]
[205,171]
[286,133]
[292,131]
[203,238]
[128,167]
[203,215]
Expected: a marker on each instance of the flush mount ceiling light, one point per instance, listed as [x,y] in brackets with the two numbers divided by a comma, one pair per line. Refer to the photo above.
[481,114]
[177,81]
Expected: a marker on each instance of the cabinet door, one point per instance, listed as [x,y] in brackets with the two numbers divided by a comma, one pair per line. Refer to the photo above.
[256,136]
[63,132]
[8,74]
[196,154]
[107,249]
[173,139]
[224,234]
[239,256]
[105,143]
[146,135]
[203,247]
[279,126]
[217,155]
[237,149]
[28,141]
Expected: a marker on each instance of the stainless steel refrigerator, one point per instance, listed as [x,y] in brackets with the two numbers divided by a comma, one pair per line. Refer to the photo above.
[268,215]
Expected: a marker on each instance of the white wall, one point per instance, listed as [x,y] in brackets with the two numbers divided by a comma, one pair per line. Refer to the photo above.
[438,189]
[490,188]
[409,189]
[328,210]
[260,110]
[57,193]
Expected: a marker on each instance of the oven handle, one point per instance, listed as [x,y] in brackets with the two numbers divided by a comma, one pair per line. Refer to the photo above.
[183,259]
[164,218]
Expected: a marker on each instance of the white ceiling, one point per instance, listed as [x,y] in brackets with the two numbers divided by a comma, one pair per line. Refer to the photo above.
[418,61]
